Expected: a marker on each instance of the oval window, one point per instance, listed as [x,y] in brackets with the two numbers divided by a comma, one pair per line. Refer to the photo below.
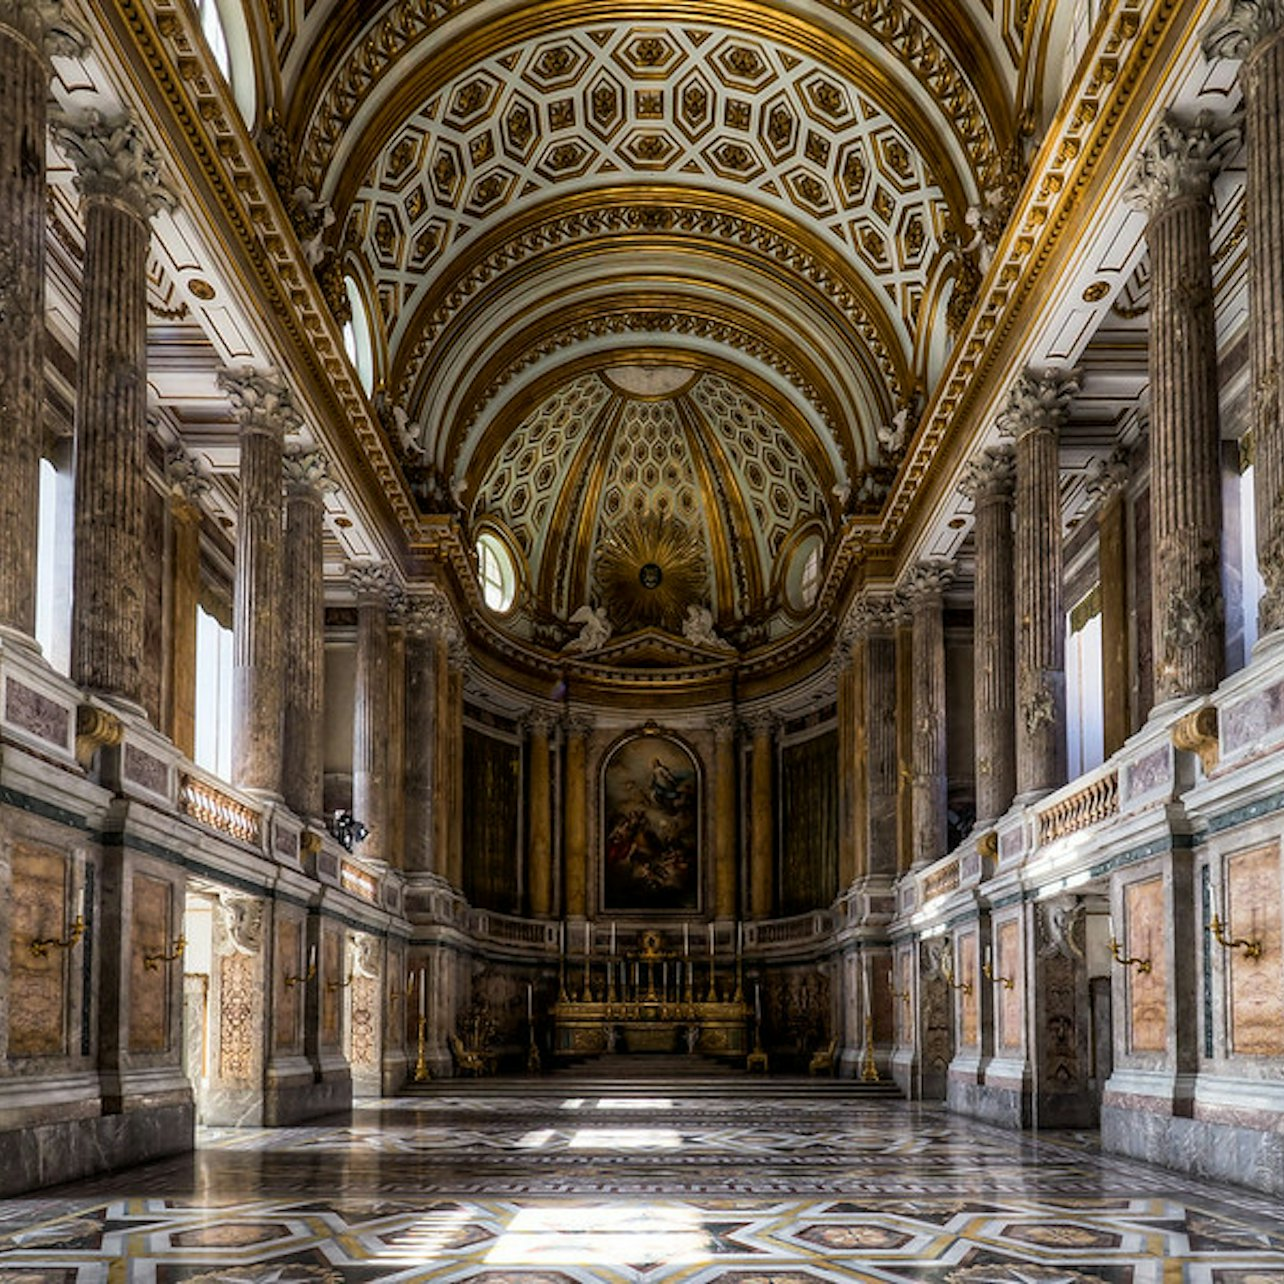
[356,336]
[806,568]
[496,572]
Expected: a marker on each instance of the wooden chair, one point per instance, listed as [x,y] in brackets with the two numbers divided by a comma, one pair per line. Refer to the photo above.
[822,1061]
[468,1061]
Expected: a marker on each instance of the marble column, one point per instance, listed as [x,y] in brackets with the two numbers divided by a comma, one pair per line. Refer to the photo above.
[924,589]
[186,486]
[762,813]
[904,739]
[442,746]
[457,658]
[1109,486]
[372,584]
[307,480]
[852,855]
[724,816]
[395,845]
[1173,185]
[881,786]
[117,176]
[1038,406]
[423,621]
[575,794]
[539,827]
[989,482]
[1253,31]
[265,411]
[29,30]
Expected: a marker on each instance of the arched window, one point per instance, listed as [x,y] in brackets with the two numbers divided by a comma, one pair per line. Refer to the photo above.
[357,340]
[228,35]
[215,35]
[497,573]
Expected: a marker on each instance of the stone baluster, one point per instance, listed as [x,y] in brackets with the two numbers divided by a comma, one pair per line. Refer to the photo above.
[539,841]
[724,813]
[30,30]
[424,621]
[372,583]
[1173,185]
[1252,31]
[307,481]
[1109,486]
[1038,405]
[187,484]
[119,183]
[924,588]
[990,481]
[762,813]
[265,412]
[575,793]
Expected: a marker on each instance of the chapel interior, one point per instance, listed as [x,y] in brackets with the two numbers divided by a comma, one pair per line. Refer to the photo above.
[554,538]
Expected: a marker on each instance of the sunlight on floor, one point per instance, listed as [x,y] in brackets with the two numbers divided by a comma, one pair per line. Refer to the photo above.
[635,1103]
[626,1139]
[611,1235]
[426,1237]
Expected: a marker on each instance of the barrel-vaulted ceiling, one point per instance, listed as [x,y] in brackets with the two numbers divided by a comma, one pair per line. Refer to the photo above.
[764,205]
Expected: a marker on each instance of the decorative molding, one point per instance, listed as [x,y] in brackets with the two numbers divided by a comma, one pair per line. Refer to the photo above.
[242,920]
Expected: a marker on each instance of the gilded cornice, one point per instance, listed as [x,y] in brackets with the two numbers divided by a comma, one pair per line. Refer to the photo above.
[1090,132]
[979,119]
[641,222]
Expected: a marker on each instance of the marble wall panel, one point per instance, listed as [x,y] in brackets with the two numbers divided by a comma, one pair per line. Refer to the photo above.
[1007,962]
[1148,992]
[149,987]
[238,995]
[288,1006]
[332,970]
[364,1051]
[37,986]
[1256,985]
[970,994]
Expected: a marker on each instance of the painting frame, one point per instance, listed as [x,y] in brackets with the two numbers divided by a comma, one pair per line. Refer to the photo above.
[651,797]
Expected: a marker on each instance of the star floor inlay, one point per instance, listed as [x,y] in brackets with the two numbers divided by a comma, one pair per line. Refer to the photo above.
[502,1184]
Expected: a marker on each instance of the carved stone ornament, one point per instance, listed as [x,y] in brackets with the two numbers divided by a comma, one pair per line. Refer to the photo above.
[1039,402]
[46,24]
[1062,928]
[1112,475]
[261,401]
[873,615]
[365,957]
[934,957]
[1197,733]
[926,581]
[761,722]
[595,629]
[242,921]
[307,471]
[186,480]
[112,159]
[96,729]
[372,583]
[1245,25]
[578,725]
[1181,160]
[990,474]
[539,722]
[428,614]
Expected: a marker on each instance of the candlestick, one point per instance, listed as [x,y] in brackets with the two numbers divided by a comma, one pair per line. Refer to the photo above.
[711,940]
[864,984]
[686,940]
[80,902]
[423,993]
[588,941]
[757,1002]
[530,1002]
[612,938]
[989,956]
[740,938]
[312,957]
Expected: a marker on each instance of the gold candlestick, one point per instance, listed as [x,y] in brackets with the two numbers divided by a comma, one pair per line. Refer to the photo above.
[421,1062]
[869,1068]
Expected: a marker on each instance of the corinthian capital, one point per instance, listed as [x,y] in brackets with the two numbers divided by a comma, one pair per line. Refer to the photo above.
[186,479]
[1181,160]
[989,475]
[872,614]
[372,582]
[926,581]
[307,471]
[46,25]
[428,614]
[1112,475]
[1244,26]
[1039,402]
[261,401]
[112,159]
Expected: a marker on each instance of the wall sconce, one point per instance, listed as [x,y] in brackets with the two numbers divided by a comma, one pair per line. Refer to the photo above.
[1005,981]
[339,985]
[152,962]
[1142,965]
[292,981]
[948,973]
[1252,949]
[40,949]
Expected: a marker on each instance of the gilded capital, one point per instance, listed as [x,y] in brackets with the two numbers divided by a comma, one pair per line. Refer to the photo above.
[307,471]
[261,401]
[1039,402]
[45,24]
[1245,25]
[112,159]
[990,475]
[1181,160]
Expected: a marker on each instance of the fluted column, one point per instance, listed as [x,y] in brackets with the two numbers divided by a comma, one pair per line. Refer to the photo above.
[1253,31]
[307,480]
[441,747]
[877,625]
[117,176]
[457,658]
[575,794]
[724,816]
[373,586]
[29,30]
[990,482]
[1110,486]
[1173,184]
[423,624]
[762,813]
[539,827]
[924,588]
[265,410]
[394,847]
[186,486]
[1038,406]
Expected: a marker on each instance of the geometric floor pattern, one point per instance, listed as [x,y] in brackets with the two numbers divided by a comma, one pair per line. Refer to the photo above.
[504,1185]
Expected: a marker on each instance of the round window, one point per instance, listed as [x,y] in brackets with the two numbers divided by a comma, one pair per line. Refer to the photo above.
[497,573]
[802,580]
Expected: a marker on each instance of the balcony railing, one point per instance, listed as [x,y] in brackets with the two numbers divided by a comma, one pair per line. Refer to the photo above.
[1089,805]
[212,807]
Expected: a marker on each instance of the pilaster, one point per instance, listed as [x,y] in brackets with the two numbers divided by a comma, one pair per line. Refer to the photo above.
[372,583]
[924,589]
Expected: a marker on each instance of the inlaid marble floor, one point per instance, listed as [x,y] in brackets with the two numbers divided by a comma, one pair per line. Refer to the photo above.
[507,1185]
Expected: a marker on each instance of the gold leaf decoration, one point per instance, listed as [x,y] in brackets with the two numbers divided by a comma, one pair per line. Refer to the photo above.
[650,569]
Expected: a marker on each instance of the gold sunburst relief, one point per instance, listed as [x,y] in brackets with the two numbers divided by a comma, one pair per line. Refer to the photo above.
[650,568]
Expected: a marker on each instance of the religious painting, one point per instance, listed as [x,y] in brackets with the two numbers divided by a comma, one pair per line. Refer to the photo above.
[651,827]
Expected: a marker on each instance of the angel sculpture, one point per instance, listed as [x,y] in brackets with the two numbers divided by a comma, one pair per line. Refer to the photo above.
[697,628]
[595,629]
